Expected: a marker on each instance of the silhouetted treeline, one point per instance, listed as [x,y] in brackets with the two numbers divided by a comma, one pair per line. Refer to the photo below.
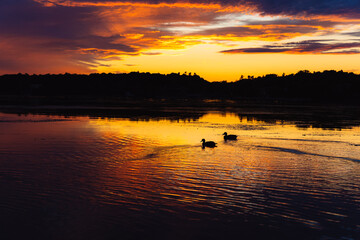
[327,86]
[303,87]
[135,84]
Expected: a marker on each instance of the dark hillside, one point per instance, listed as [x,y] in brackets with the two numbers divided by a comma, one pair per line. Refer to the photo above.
[302,87]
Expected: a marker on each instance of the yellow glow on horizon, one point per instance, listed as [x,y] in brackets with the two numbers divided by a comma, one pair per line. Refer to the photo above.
[206,61]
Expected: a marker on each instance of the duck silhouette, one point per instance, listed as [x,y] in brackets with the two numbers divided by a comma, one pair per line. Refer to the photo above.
[229,137]
[209,144]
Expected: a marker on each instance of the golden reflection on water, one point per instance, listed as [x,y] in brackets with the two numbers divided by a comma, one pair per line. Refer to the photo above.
[174,147]
[211,126]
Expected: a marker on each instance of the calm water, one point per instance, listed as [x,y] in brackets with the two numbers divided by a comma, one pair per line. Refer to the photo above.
[148,178]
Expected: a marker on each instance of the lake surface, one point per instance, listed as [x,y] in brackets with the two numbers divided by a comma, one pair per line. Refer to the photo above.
[147,177]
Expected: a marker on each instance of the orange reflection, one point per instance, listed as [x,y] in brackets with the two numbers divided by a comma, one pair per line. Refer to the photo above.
[169,151]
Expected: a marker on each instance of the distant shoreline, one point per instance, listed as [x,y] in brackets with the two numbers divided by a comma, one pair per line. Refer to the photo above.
[133,89]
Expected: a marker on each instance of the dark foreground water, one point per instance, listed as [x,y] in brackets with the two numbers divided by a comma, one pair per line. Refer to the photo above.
[147,177]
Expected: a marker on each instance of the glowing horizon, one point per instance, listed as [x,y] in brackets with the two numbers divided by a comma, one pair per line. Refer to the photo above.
[215,39]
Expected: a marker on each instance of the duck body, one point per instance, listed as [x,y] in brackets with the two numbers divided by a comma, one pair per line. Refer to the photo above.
[229,137]
[209,144]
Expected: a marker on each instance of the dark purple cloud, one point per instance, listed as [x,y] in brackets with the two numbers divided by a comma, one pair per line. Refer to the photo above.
[60,27]
[321,7]
[354,34]
[304,47]
[34,38]
[272,7]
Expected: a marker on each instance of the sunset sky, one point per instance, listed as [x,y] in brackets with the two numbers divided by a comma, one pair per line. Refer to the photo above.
[218,40]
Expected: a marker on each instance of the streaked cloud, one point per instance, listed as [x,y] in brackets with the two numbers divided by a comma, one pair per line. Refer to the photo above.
[304,47]
[151,53]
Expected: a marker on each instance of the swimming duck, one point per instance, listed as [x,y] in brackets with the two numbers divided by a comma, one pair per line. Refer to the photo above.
[229,137]
[209,144]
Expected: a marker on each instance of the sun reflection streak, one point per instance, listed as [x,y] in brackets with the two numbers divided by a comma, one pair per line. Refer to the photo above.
[212,125]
